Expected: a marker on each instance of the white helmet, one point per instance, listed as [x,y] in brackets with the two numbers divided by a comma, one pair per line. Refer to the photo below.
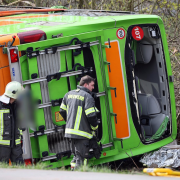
[13,89]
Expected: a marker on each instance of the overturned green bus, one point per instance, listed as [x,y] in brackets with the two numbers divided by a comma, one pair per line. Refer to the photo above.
[127,54]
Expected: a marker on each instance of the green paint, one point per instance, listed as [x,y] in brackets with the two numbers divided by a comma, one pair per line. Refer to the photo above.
[58,88]
[89,29]
[72,79]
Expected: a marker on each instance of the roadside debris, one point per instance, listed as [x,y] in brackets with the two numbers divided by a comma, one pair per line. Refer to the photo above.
[161,172]
[164,157]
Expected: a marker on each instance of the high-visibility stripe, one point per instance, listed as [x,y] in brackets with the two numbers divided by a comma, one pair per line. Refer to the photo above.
[73,164]
[78,118]
[94,128]
[18,141]
[79,133]
[5,111]
[20,131]
[63,106]
[5,142]
[77,90]
[85,162]
[96,109]
[91,110]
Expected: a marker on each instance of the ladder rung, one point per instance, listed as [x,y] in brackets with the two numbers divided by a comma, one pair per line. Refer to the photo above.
[78,46]
[100,94]
[49,104]
[72,73]
[48,131]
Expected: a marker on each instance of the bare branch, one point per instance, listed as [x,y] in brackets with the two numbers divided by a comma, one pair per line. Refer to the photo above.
[93,4]
[173,38]
[80,5]
[155,2]
[30,3]
[1,2]
[10,4]
[86,4]
[142,1]
[70,4]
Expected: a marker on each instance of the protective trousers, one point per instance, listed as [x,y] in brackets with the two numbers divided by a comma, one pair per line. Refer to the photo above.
[80,149]
[14,154]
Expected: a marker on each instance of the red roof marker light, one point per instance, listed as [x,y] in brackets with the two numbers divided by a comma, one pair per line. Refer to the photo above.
[14,55]
[31,36]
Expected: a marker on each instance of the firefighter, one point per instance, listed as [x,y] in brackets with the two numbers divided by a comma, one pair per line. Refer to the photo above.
[10,134]
[79,111]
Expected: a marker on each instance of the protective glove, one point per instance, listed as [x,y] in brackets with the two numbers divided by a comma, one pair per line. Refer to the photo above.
[96,147]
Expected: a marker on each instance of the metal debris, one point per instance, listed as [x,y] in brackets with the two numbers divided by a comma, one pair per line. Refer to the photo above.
[164,157]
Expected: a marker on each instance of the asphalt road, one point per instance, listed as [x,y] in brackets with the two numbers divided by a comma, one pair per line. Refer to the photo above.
[27,174]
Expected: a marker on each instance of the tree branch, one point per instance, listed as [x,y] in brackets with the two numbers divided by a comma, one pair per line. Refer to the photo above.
[173,38]
[139,4]
[155,2]
[86,4]
[10,4]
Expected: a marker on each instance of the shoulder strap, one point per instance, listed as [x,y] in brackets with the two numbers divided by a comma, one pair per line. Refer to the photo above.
[0,105]
[3,107]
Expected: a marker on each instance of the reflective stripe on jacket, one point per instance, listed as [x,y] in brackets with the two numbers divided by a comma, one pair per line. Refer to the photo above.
[81,113]
[7,127]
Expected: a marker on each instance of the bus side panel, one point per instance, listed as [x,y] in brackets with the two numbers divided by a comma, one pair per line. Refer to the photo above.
[4,79]
[4,68]
[1,82]
[125,128]
[4,58]
[5,76]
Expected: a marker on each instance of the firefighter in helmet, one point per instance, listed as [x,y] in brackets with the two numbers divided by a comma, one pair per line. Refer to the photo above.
[10,134]
[79,111]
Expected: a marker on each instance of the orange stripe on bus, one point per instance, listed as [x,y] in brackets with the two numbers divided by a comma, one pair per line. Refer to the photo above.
[3,23]
[28,16]
[24,11]
[116,80]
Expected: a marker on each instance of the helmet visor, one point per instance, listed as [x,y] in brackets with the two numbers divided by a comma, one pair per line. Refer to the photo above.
[4,99]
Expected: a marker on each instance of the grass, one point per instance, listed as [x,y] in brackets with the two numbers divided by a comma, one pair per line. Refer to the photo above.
[37,166]
[100,168]
[105,169]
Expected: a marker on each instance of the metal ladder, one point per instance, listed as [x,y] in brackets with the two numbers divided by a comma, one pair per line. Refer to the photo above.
[48,64]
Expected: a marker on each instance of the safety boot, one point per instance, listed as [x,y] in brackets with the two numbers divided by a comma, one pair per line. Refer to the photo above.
[73,163]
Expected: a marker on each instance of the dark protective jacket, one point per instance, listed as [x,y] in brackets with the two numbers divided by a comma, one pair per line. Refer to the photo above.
[79,111]
[10,134]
